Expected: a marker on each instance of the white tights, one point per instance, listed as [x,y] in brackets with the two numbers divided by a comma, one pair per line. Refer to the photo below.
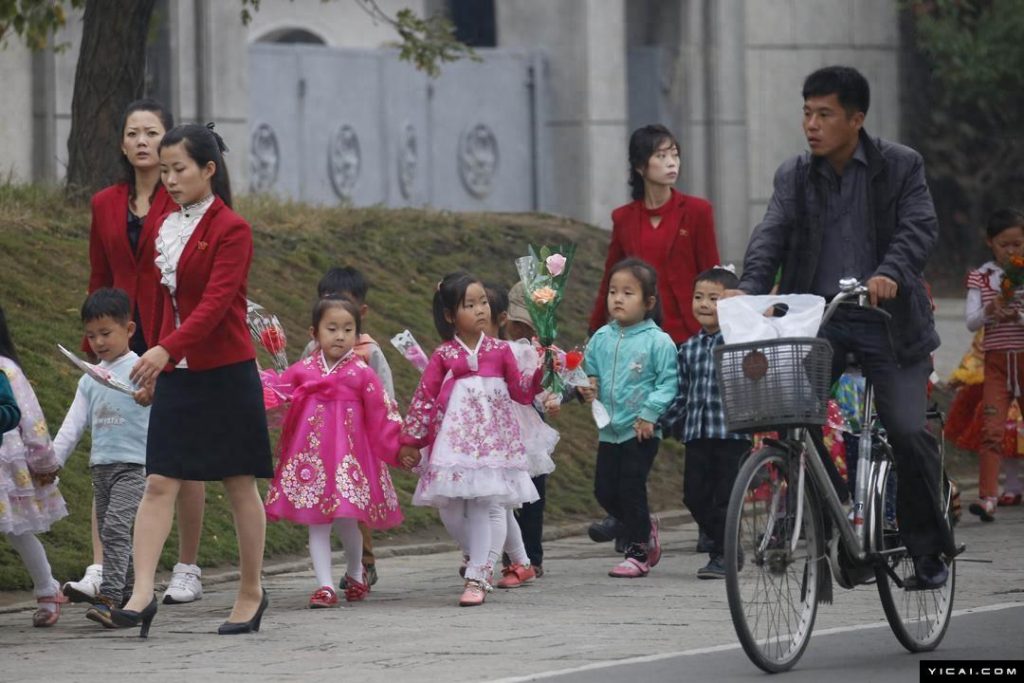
[479,529]
[34,556]
[320,549]
[514,540]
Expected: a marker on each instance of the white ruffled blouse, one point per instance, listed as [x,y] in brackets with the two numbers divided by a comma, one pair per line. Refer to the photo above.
[172,238]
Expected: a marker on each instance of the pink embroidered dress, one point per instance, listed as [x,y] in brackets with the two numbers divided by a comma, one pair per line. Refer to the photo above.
[340,430]
[25,507]
[463,410]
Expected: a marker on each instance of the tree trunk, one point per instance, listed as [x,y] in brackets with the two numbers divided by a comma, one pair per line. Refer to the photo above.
[110,74]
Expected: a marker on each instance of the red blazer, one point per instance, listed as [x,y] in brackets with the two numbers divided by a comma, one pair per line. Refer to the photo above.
[694,250]
[212,280]
[112,262]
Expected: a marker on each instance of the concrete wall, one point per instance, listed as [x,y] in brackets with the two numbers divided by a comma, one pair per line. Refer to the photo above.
[339,23]
[585,126]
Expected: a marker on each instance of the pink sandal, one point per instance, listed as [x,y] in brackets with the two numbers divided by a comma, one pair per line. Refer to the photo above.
[1009,500]
[42,618]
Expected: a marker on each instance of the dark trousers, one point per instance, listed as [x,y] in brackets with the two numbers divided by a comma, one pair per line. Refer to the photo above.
[531,522]
[708,476]
[620,486]
[901,396]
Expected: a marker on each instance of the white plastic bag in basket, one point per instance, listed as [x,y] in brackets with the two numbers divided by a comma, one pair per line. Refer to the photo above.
[743,319]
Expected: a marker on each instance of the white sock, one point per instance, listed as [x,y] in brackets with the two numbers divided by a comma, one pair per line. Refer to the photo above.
[499,529]
[320,553]
[514,540]
[478,538]
[1011,470]
[453,516]
[34,556]
[352,539]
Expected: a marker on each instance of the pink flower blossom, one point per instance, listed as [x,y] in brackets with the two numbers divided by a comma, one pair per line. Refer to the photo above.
[555,264]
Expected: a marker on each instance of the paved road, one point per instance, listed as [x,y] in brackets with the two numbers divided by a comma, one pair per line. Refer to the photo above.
[410,628]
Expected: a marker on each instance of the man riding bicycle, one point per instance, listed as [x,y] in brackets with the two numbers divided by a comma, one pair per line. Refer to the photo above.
[858,206]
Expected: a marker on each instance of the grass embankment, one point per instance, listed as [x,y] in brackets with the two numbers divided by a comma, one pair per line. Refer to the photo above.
[403,253]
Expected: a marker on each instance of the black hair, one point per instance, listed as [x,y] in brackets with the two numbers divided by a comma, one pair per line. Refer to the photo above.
[846,83]
[450,294]
[1004,219]
[325,303]
[648,279]
[107,302]
[166,120]
[6,343]
[345,281]
[720,276]
[497,297]
[203,145]
[643,143]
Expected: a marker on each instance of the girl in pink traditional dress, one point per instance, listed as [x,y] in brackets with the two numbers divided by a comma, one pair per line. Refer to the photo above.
[462,410]
[29,499]
[340,429]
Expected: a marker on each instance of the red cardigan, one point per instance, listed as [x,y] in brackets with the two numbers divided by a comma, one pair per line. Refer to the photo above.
[212,278]
[112,262]
[694,250]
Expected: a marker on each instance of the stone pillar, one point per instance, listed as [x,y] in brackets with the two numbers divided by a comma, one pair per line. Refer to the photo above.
[585,122]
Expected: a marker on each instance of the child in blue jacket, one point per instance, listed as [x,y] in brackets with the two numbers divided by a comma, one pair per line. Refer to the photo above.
[632,367]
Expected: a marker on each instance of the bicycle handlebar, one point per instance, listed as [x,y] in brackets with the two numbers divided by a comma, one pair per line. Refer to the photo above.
[848,289]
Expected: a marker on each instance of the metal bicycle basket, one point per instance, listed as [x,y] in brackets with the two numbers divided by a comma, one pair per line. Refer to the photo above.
[774,383]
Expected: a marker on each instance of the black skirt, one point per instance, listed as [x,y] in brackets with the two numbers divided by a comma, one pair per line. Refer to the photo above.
[208,425]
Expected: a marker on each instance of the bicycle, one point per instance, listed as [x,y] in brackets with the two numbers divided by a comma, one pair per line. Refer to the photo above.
[780,555]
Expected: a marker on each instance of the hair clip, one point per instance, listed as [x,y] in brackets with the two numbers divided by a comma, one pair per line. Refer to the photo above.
[438,288]
[729,267]
[220,141]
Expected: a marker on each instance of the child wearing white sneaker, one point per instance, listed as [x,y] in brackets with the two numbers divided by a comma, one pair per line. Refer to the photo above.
[117,462]
[29,500]
[632,368]
[696,418]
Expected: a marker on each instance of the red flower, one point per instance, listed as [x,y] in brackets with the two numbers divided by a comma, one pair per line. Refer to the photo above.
[573,359]
[273,340]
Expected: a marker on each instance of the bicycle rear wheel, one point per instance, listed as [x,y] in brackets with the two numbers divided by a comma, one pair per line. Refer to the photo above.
[918,618]
[772,560]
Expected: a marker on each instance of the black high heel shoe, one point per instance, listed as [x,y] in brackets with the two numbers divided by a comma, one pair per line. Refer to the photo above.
[129,618]
[230,628]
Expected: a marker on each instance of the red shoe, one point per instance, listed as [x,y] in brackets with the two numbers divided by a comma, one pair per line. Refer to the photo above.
[323,597]
[43,617]
[473,595]
[1009,500]
[354,590]
[516,575]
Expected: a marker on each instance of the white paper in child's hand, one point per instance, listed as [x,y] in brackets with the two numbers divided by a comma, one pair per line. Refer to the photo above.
[601,417]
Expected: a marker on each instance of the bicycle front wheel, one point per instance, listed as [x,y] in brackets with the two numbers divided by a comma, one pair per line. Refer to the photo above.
[773,544]
[918,618]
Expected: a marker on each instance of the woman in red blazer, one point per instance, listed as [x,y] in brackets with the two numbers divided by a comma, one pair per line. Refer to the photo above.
[207,421]
[672,231]
[125,219]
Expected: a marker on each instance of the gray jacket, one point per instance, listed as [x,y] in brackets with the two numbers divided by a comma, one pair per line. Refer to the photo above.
[902,227]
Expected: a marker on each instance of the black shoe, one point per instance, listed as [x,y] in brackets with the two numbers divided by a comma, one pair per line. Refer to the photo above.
[930,573]
[714,569]
[231,628]
[605,530]
[129,618]
[704,542]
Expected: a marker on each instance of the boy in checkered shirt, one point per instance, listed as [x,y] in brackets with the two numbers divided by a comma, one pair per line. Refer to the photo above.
[696,418]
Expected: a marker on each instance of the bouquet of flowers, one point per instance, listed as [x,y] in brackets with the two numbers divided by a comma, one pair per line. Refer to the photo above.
[544,274]
[266,330]
[1013,277]
[410,349]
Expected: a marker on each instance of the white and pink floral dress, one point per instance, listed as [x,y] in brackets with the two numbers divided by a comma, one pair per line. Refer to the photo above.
[463,411]
[539,438]
[339,436]
[26,449]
